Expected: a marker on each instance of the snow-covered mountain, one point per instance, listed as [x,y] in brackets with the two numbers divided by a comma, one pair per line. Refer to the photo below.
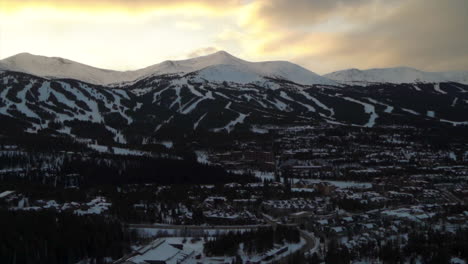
[397,75]
[219,66]
[217,93]
[62,68]
[172,104]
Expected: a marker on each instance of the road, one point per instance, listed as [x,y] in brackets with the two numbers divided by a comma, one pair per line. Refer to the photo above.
[197,227]
[311,241]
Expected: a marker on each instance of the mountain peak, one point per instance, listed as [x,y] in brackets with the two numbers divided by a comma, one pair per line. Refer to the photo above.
[220,57]
[396,75]
[222,53]
[220,64]
[22,54]
[28,60]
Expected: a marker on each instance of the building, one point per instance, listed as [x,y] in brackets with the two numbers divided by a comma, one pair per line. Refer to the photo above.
[161,252]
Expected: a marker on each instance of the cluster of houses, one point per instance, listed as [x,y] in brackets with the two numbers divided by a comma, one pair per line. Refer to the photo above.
[18,202]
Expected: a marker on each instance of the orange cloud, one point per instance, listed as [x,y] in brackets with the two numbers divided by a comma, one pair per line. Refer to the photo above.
[328,35]
[131,6]
[323,35]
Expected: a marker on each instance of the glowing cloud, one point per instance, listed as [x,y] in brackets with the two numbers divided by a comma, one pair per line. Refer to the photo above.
[323,35]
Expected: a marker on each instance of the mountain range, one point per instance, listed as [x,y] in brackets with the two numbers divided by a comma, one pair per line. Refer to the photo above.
[395,75]
[219,66]
[222,66]
[217,93]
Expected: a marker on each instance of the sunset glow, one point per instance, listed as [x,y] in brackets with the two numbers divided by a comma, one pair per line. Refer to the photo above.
[321,35]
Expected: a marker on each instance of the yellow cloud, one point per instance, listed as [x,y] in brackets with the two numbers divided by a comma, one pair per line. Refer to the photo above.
[188,25]
[127,6]
[328,35]
[323,35]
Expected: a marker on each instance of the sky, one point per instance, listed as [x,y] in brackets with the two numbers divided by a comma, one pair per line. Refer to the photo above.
[321,35]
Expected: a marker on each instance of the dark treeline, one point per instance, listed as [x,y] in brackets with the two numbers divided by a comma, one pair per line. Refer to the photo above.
[130,170]
[423,246]
[437,247]
[257,241]
[39,142]
[102,169]
[49,237]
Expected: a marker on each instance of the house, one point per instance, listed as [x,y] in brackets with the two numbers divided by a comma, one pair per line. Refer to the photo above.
[338,230]
[10,198]
[301,217]
[5,194]
[161,252]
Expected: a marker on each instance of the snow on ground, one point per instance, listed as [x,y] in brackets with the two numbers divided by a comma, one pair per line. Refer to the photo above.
[63,68]
[96,206]
[395,75]
[6,193]
[117,150]
[317,102]
[168,144]
[92,104]
[22,107]
[175,232]
[285,96]
[118,136]
[132,152]
[412,214]
[273,253]
[193,90]
[452,155]
[389,108]
[228,73]
[157,95]
[8,103]
[178,100]
[198,121]
[89,113]
[455,260]
[410,111]
[258,130]
[339,184]
[202,157]
[455,123]
[264,175]
[137,107]
[309,190]
[280,105]
[437,89]
[231,125]
[65,130]
[334,122]
[417,88]
[163,123]
[368,108]
[219,65]
[160,251]
[99,148]
[189,108]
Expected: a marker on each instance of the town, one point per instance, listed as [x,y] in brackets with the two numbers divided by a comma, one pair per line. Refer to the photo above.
[335,194]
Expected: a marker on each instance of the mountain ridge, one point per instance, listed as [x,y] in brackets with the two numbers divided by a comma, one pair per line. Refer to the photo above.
[57,67]
[395,75]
